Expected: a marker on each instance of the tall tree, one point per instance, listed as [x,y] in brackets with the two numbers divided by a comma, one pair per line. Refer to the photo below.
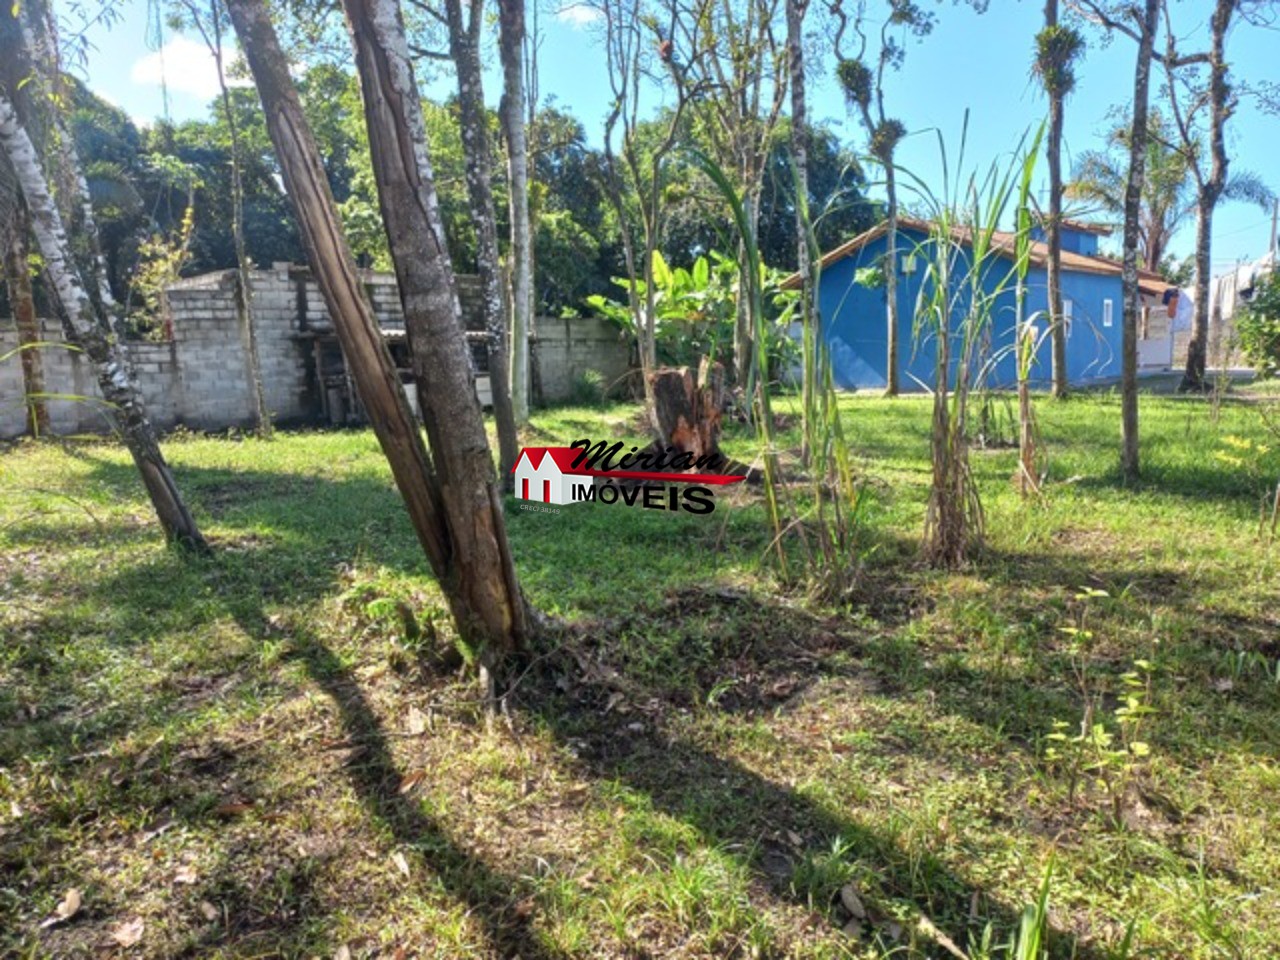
[464,49]
[454,504]
[17,275]
[863,88]
[634,183]
[796,10]
[211,30]
[1140,24]
[1147,25]
[742,77]
[511,41]
[86,307]
[481,568]
[1210,103]
[1057,47]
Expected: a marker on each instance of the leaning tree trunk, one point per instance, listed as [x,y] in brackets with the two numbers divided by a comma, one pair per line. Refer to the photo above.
[464,40]
[480,571]
[511,116]
[89,329]
[17,273]
[1129,271]
[444,527]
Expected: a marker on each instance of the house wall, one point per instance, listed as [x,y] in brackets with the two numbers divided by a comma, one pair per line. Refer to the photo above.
[1075,241]
[201,378]
[854,323]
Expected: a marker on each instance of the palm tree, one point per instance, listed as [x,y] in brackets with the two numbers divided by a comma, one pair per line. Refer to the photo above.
[1169,190]
[1168,194]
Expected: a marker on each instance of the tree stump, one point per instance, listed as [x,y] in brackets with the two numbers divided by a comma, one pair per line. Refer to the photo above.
[686,407]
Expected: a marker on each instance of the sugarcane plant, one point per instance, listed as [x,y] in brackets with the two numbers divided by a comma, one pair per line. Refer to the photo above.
[757,376]
[826,523]
[967,272]
[1026,340]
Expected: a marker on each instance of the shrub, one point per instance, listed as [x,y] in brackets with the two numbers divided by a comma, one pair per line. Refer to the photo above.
[589,389]
[1258,326]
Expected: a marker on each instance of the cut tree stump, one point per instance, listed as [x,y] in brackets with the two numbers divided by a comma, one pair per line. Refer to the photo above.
[688,406]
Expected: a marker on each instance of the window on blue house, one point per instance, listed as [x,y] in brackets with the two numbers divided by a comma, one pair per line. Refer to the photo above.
[1107,315]
[1068,310]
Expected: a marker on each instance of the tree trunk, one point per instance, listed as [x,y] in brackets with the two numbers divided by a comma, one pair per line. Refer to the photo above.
[1210,191]
[89,328]
[687,407]
[464,37]
[511,116]
[244,285]
[796,10]
[1132,211]
[1053,232]
[891,385]
[17,272]
[1193,377]
[439,518]
[480,571]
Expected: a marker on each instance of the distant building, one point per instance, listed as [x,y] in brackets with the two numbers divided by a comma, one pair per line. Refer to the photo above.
[853,315]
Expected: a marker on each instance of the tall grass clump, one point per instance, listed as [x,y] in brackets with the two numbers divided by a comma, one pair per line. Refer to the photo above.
[1026,342]
[968,270]
[826,523]
[757,374]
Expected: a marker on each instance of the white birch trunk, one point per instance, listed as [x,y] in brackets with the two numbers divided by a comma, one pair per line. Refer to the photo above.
[89,329]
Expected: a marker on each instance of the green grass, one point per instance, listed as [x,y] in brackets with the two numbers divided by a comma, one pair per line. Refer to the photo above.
[246,753]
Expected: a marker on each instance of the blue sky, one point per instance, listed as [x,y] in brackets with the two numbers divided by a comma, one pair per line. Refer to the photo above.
[974,62]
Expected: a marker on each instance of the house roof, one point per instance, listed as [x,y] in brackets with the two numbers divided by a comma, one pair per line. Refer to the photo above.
[563,457]
[1003,243]
[1083,226]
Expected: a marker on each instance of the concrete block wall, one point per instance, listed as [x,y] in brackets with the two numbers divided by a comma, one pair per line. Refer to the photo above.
[201,379]
[567,347]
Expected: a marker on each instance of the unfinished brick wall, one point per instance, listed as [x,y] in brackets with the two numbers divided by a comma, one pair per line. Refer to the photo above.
[201,378]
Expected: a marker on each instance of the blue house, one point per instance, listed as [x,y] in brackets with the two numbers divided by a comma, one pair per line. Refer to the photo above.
[853,315]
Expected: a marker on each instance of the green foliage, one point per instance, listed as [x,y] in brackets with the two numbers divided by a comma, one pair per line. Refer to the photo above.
[589,389]
[695,309]
[856,81]
[965,275]
[1057,49]
[873,278]
[161,260]
[1106,745]
[1258,327]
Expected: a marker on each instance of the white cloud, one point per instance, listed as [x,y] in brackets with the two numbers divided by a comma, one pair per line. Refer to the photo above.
[185,66]
[578,15]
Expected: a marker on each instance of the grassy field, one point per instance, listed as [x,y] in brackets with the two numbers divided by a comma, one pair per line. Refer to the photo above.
[245,755]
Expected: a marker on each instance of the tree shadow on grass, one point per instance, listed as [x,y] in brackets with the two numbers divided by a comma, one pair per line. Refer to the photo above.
[723,800]
[492,897]
[771,828]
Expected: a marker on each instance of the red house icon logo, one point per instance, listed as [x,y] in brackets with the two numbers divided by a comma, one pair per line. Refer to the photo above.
[546,475]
